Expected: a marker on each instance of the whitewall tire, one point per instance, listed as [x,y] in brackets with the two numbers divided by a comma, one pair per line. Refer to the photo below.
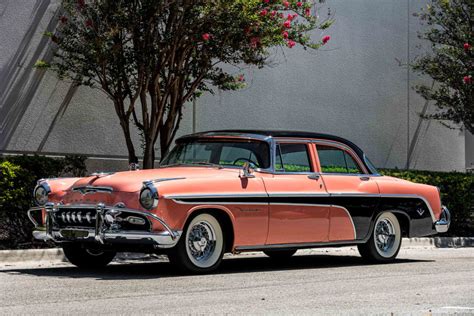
[385,240]
[201,247]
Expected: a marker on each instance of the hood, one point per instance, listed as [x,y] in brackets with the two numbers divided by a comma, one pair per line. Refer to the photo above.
[132,181]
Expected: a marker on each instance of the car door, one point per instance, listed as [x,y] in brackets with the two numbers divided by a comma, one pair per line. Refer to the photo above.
[297,209]
[354,193]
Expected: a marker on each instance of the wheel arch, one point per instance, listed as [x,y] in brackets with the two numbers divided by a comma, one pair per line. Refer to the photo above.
[223,215]
[403,220]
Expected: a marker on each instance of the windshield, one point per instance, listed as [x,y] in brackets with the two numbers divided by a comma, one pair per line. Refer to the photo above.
[222,153]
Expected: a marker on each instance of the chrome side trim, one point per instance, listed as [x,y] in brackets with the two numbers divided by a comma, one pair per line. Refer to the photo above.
[283,194]
[302,204]
[221,203]
[214,196]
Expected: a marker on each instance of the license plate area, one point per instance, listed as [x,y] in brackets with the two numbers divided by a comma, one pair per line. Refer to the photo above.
[74,233]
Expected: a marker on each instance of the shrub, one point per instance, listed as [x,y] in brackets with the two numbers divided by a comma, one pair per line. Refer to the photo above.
[457,193]
[18,176]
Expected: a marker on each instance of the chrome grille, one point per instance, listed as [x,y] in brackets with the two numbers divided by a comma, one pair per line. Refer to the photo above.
[75,217]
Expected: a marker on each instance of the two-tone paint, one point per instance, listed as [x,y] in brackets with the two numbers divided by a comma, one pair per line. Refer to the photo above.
[268,210]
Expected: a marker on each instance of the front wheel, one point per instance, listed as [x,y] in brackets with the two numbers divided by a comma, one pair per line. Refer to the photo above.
[83,257]
[201,248]
[386,239]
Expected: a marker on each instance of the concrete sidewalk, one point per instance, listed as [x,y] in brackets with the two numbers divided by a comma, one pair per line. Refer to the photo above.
[57,255]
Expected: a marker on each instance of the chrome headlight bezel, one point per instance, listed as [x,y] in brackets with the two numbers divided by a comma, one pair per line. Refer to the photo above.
[41,193]
[148,196]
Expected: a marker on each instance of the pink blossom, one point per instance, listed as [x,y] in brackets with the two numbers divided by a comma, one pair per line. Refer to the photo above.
[273,13]
[326,39]
[241,78]
[290,17]
[467,46]
[287,24]
[467,79]
[307,11]
[285,34]
[291,43]
[286,4]
[299,4]
[264,12]
[266,1]
[63,19]
[206,36]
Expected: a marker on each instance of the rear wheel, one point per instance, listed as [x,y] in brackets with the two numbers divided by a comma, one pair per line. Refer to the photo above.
[385,241]
[280,254]
[83,257]
[201,248]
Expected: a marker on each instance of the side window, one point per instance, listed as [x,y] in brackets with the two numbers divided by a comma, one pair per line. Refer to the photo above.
[335,160]
[292,158]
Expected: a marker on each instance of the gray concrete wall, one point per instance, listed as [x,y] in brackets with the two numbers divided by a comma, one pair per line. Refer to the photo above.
[354,87]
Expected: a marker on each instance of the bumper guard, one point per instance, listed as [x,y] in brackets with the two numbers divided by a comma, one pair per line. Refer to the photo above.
[442,225]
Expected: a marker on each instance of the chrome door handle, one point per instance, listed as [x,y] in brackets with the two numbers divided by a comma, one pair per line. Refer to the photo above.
[314,176]
[365,178]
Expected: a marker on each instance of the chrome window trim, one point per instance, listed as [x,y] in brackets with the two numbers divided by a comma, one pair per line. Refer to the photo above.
[346,148]
[276,142]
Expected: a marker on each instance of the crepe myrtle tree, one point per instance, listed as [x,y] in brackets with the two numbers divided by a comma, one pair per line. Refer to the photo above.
[152,56]
[450,29]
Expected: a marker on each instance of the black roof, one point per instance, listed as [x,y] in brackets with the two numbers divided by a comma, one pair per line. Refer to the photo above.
[275,133]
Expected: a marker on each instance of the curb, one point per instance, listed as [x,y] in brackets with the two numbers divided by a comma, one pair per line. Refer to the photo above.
[439,242]
[57,255]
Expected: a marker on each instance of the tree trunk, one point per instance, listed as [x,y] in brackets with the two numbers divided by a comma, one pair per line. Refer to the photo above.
[149,154]
[132,157]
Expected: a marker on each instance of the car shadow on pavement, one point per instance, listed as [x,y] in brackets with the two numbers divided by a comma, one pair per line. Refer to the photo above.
[245,264]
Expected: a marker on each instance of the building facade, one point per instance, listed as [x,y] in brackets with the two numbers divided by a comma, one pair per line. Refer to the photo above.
[355,87]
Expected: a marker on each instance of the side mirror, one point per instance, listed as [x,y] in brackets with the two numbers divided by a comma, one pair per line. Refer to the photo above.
[247,171]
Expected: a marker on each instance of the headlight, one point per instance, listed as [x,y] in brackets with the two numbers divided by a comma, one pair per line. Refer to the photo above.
[149,196]
[41,192]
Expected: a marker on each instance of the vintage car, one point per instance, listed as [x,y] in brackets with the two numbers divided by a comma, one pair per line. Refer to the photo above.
[235,191]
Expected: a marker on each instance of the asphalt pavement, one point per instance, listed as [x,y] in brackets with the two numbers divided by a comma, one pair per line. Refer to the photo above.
[422,281]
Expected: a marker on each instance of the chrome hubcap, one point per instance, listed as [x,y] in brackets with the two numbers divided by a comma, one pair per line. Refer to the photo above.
[202,241]
[384,235]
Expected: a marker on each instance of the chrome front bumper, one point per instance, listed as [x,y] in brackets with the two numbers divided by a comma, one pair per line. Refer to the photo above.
[105,228]
[442,225]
